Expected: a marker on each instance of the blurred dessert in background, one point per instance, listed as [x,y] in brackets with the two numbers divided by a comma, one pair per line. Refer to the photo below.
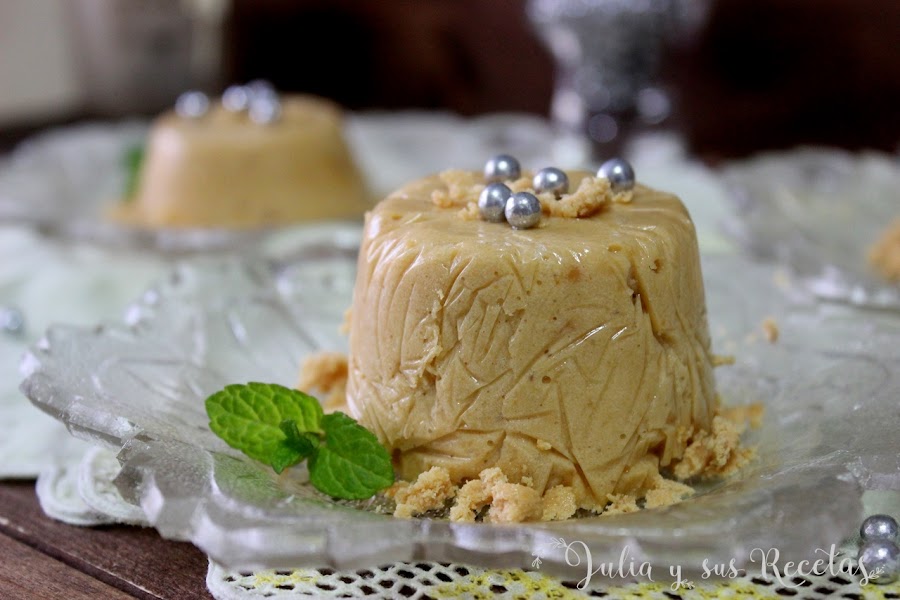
[247,160]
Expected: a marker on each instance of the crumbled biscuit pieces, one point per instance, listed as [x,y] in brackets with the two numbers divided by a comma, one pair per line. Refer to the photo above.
[430,491]
[715,453]
[506,502]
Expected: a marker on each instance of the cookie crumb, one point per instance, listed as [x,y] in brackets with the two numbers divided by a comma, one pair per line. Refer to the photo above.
[514,503]
[559,503]
[430,491]
[719,360]
[716,453]
[666,492]
[770,329]
[620,504]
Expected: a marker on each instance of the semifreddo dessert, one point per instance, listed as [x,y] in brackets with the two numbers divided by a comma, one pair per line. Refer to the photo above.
[252,159]
[538,344]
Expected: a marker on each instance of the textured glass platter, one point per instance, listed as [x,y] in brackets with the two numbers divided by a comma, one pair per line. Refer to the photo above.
[818,211]
[138,387]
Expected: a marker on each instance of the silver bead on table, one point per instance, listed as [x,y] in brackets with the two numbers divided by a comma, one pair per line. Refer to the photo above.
[883,556]
[12,321]
[552,180]
[502,167]
[192,105]
[879,527]
[523,210]
[236,98]
[264,110]
[492,202]
[619,172]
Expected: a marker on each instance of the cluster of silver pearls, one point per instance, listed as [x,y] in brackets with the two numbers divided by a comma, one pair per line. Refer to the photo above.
[258,98]
[879,553]
[497,203]
[523,209]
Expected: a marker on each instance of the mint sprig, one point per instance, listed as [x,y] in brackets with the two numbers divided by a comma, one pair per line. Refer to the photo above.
[132,161]
[281,427]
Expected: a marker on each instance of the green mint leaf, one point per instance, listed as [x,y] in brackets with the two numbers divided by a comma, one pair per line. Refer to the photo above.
[304,442]
[132,161]
[350,463]
[249,418]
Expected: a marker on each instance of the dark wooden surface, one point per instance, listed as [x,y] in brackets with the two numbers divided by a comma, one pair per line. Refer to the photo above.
[42,558]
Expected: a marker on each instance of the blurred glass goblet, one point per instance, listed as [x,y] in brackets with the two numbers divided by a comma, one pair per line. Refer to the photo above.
[608,56]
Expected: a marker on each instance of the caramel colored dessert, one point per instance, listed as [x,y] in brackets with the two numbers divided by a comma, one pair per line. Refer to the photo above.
[223,170]
[574,356]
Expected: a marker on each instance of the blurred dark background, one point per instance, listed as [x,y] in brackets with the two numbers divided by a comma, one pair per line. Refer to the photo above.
[756,75]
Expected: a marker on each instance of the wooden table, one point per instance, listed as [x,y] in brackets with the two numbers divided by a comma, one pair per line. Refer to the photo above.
[46,559]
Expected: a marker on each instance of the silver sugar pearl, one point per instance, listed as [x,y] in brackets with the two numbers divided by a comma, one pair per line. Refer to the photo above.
[619,172]
[12,321]
[261,87]
[552,180]
[492,202]
[883,556]
[523,210]
[192,105]
[879,527]
[236,98]
[502,167]
[264,110]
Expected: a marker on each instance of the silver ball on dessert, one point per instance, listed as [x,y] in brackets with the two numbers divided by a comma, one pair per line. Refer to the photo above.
[523,210]
[236,98]
[502,167]
[619,172]
[879,527]
[881,558]
[492,202]
[192,105]
[264,110]
[12,321]
[260,87]
[552,180]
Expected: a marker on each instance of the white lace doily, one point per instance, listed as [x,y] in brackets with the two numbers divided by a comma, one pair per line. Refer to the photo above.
[81,492]
[426,580]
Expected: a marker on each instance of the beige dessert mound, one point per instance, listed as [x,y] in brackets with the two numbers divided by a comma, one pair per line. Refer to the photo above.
[574,356]
[223,170]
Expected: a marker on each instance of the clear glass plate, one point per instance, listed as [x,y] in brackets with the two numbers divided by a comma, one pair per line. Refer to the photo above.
[830,385]
[818,211]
